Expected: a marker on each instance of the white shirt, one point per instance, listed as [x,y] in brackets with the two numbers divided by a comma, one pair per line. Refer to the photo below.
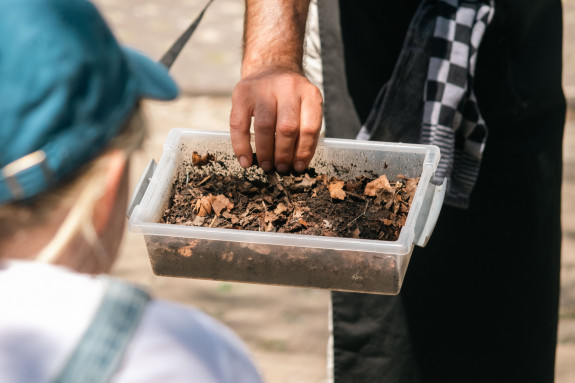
[45,309]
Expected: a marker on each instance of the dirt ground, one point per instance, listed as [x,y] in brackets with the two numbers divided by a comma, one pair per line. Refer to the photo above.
[285,328]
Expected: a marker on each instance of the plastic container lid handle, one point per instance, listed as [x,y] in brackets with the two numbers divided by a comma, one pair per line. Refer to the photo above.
[433,215]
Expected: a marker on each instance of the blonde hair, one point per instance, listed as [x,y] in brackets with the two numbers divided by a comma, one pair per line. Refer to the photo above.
[78,193]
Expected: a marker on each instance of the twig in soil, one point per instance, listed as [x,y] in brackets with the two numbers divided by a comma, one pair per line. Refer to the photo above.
[356,218]
[213,220]
[204,180]
[355,195]
[200,183]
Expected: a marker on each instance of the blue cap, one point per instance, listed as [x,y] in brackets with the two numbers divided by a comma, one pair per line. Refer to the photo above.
[66,89]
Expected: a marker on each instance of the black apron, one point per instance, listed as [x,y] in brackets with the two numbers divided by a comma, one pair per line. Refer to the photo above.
[480,302]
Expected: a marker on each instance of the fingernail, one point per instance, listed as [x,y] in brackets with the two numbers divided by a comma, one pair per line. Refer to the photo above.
[266,165]
[244,162]
[299,166]
[283,168]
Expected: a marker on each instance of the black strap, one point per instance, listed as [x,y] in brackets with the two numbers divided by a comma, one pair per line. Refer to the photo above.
[172,53]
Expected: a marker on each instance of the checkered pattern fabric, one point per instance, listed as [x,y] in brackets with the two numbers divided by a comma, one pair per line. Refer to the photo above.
[451,117]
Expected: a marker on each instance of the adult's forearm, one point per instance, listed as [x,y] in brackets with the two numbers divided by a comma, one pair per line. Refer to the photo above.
[273,35]
[273,94]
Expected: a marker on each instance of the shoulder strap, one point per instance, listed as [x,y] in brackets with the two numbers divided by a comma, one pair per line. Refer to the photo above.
[101,349]
[172,53]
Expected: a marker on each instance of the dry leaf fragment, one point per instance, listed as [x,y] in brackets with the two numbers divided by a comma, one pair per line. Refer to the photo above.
[220,203]
[274,179]
[297,213]
[374,186]
[268,199]
[204,206]
[232,217]
[253,206]
[336,189]
[411,186]
[281,208]
[397,203]
[389,204]
[199,161]
[270,216]
[305,183]
[304,223]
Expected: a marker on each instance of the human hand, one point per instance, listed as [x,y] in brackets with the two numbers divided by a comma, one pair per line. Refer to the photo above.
[287,112]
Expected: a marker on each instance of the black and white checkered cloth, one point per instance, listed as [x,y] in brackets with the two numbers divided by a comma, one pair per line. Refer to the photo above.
[451,117]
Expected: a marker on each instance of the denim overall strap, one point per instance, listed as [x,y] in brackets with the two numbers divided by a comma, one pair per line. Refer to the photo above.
[100,351]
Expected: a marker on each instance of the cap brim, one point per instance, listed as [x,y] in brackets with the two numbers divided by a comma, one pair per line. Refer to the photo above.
[154,80]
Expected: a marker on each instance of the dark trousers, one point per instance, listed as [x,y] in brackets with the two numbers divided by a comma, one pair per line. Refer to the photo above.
[480,302]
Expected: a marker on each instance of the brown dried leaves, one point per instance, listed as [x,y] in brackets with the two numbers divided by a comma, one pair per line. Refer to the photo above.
[335,188]
[305,203]
[200,161]
[373,187]
[204,205]
[220,203]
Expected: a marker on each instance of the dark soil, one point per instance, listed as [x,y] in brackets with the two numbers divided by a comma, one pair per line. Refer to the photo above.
[304,203]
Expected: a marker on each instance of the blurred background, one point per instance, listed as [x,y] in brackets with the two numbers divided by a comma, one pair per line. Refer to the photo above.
[285,328]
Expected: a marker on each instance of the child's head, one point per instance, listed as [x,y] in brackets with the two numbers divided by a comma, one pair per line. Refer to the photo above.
[69,119]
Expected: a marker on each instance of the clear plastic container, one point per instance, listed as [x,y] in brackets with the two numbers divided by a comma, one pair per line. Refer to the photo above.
[344,264]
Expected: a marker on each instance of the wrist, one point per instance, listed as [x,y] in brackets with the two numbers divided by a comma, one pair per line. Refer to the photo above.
[283,54]
[261,66]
